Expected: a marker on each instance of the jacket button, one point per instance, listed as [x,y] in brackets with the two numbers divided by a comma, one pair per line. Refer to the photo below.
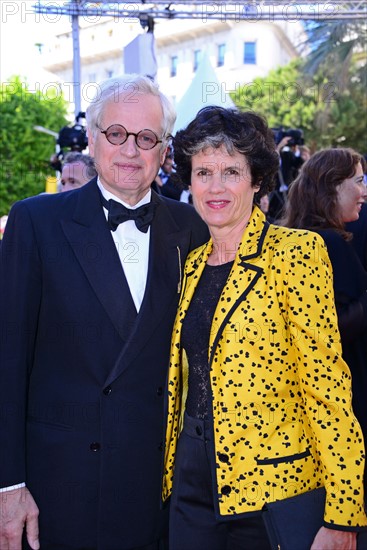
[95,446]
[225,490]
[199,430]
[223,457]
[159,390]
[107,390]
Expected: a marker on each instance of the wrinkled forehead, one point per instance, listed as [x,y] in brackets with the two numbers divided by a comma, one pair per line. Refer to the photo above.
[142,108]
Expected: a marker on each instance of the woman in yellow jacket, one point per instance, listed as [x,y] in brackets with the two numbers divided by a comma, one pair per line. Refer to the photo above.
[259,398]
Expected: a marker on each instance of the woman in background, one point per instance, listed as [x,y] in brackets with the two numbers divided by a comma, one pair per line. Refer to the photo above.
[328,193]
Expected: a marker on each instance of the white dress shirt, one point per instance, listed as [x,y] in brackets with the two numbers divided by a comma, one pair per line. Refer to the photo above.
[133,248]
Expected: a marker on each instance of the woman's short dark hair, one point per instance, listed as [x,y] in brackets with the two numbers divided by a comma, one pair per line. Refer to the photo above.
[312,201]
[237,131]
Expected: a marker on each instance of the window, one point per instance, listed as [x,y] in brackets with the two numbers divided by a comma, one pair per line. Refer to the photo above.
[174,60]
[221,53]
[249,53]
[197,57]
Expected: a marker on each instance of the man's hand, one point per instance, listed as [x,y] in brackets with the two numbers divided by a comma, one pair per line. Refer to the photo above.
[331,539]
[283,143]
[18,510]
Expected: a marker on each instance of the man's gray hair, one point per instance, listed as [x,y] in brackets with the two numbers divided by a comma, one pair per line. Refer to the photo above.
[75,156]
[131,86]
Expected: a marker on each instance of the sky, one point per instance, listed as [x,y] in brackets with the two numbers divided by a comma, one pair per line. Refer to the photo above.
[20,29]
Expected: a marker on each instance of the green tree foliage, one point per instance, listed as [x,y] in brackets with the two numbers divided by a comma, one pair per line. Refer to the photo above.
[24,152]
[328,115]
[333,44]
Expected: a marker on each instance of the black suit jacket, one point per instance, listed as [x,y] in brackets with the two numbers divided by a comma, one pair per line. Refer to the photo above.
[350,288]
[359,230]
[82,374]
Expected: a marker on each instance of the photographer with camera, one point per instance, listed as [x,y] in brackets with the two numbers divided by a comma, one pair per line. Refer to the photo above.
[288,143]
[70,137]
[290,155]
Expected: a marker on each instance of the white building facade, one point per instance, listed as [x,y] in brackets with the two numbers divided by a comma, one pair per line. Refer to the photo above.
[239,51]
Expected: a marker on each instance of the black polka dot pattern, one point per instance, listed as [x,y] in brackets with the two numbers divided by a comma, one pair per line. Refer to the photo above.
[281,393]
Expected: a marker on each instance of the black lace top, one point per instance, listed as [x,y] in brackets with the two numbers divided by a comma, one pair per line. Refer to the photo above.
[195,337]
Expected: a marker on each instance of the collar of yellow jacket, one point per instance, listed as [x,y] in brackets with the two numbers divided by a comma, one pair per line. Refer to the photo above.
[250,246]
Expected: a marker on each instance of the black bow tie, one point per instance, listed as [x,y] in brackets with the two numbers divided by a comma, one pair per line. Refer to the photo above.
[118,213]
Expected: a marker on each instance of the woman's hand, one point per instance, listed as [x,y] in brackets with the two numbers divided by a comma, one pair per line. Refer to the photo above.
[331,539]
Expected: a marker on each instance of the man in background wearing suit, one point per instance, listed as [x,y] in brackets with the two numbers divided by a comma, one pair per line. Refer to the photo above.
[77,169]
[90,281]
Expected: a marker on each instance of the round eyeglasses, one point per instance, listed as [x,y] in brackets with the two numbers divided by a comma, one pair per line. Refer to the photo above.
[117,135]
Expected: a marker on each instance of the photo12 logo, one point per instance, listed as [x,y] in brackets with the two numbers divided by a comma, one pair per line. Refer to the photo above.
[269,11]
[40,11]
[268,92]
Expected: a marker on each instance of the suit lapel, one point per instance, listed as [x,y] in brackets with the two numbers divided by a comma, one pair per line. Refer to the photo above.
[169,246]
[93,246]
[243,277]
[193,270]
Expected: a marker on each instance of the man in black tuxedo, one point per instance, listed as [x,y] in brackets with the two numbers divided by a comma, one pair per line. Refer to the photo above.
[166,185]
[89,292]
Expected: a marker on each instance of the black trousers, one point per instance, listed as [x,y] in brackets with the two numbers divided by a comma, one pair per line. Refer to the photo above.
[193,524]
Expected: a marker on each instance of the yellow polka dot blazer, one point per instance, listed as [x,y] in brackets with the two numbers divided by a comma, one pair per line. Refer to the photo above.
[281,393]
